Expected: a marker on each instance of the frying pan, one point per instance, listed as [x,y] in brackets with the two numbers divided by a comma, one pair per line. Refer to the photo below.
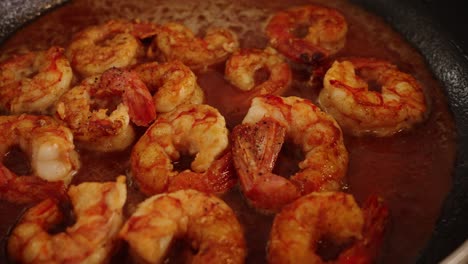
[421,22]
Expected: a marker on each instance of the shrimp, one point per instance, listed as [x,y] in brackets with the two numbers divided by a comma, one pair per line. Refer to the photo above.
[198,130]
[98,210]
[298,229]
[243,65]
[325,32]
[96,129]
[359,110]
[209,225]
[33,82]
[257,141]
[112,44]
[177,42]
[52,155]
[173,84]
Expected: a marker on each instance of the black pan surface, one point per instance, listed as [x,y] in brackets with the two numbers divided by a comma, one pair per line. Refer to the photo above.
[435,28]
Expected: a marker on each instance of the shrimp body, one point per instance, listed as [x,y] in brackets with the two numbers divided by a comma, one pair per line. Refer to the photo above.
[33,82]
[205,221]
[98,210]
[177,42]
[346,95]
[299,227]
[96,129]
[325,36]
[112,44]
[243,65]
[257,141]
[198,130]
[52,155]
[173,84]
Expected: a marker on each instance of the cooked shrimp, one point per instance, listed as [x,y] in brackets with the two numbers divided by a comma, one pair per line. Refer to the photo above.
[325,34]
[98,211]
[243,65]
[335,216]
[177,42]
[52,155]
[359,110]
[96,129]
[198,130]
[257,141]
[112,44]
[208,225]
[173,83]
[32,82]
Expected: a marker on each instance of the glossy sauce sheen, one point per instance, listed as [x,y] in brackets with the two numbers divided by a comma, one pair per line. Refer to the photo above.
[411,171]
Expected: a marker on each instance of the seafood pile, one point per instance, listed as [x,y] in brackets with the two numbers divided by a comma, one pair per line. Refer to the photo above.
[133,84]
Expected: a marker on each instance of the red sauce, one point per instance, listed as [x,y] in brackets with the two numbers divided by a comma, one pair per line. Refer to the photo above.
[411,171]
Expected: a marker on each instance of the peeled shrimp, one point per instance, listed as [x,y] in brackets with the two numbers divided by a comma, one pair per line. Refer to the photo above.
[173,84]
[112,44]
[177,42]
[258,140]
[299,227]
[325,34]
[346,95]
[98,211]
[85,108]
[32,82]
[208,225]
[198,130]
[243,65]
[52,155]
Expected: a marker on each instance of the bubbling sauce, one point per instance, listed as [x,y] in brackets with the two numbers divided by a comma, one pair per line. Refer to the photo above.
[411,171]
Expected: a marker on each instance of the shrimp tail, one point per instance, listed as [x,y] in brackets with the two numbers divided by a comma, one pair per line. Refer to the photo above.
[139,101]
[219,177]
[255,149]
[26,189]
[376,217]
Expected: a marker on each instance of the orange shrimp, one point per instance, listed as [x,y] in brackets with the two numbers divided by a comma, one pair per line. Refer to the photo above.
[52,155]
[244,64]
[257,142]
[346,95]
[325,36]
[335,216]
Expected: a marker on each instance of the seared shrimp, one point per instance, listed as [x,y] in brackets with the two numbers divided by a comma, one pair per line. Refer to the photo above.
[112,44]
[96,129]
[32,82]
[325,32]
[359,110]
[98,211]
[257,141]
[52,156]
[335,216]
[173,84]
[208,225]
[243,65]
[177,42]
[198,130]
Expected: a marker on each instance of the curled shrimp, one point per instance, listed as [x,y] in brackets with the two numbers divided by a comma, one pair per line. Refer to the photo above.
[173,84]
[98,210]
[243,65]
[52,155]
[33,82]
[325,34]
[117,90]
[335,216]
[112,44]
[258,140]
[208,224]
[359,110]
[177,42]
[198,130]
